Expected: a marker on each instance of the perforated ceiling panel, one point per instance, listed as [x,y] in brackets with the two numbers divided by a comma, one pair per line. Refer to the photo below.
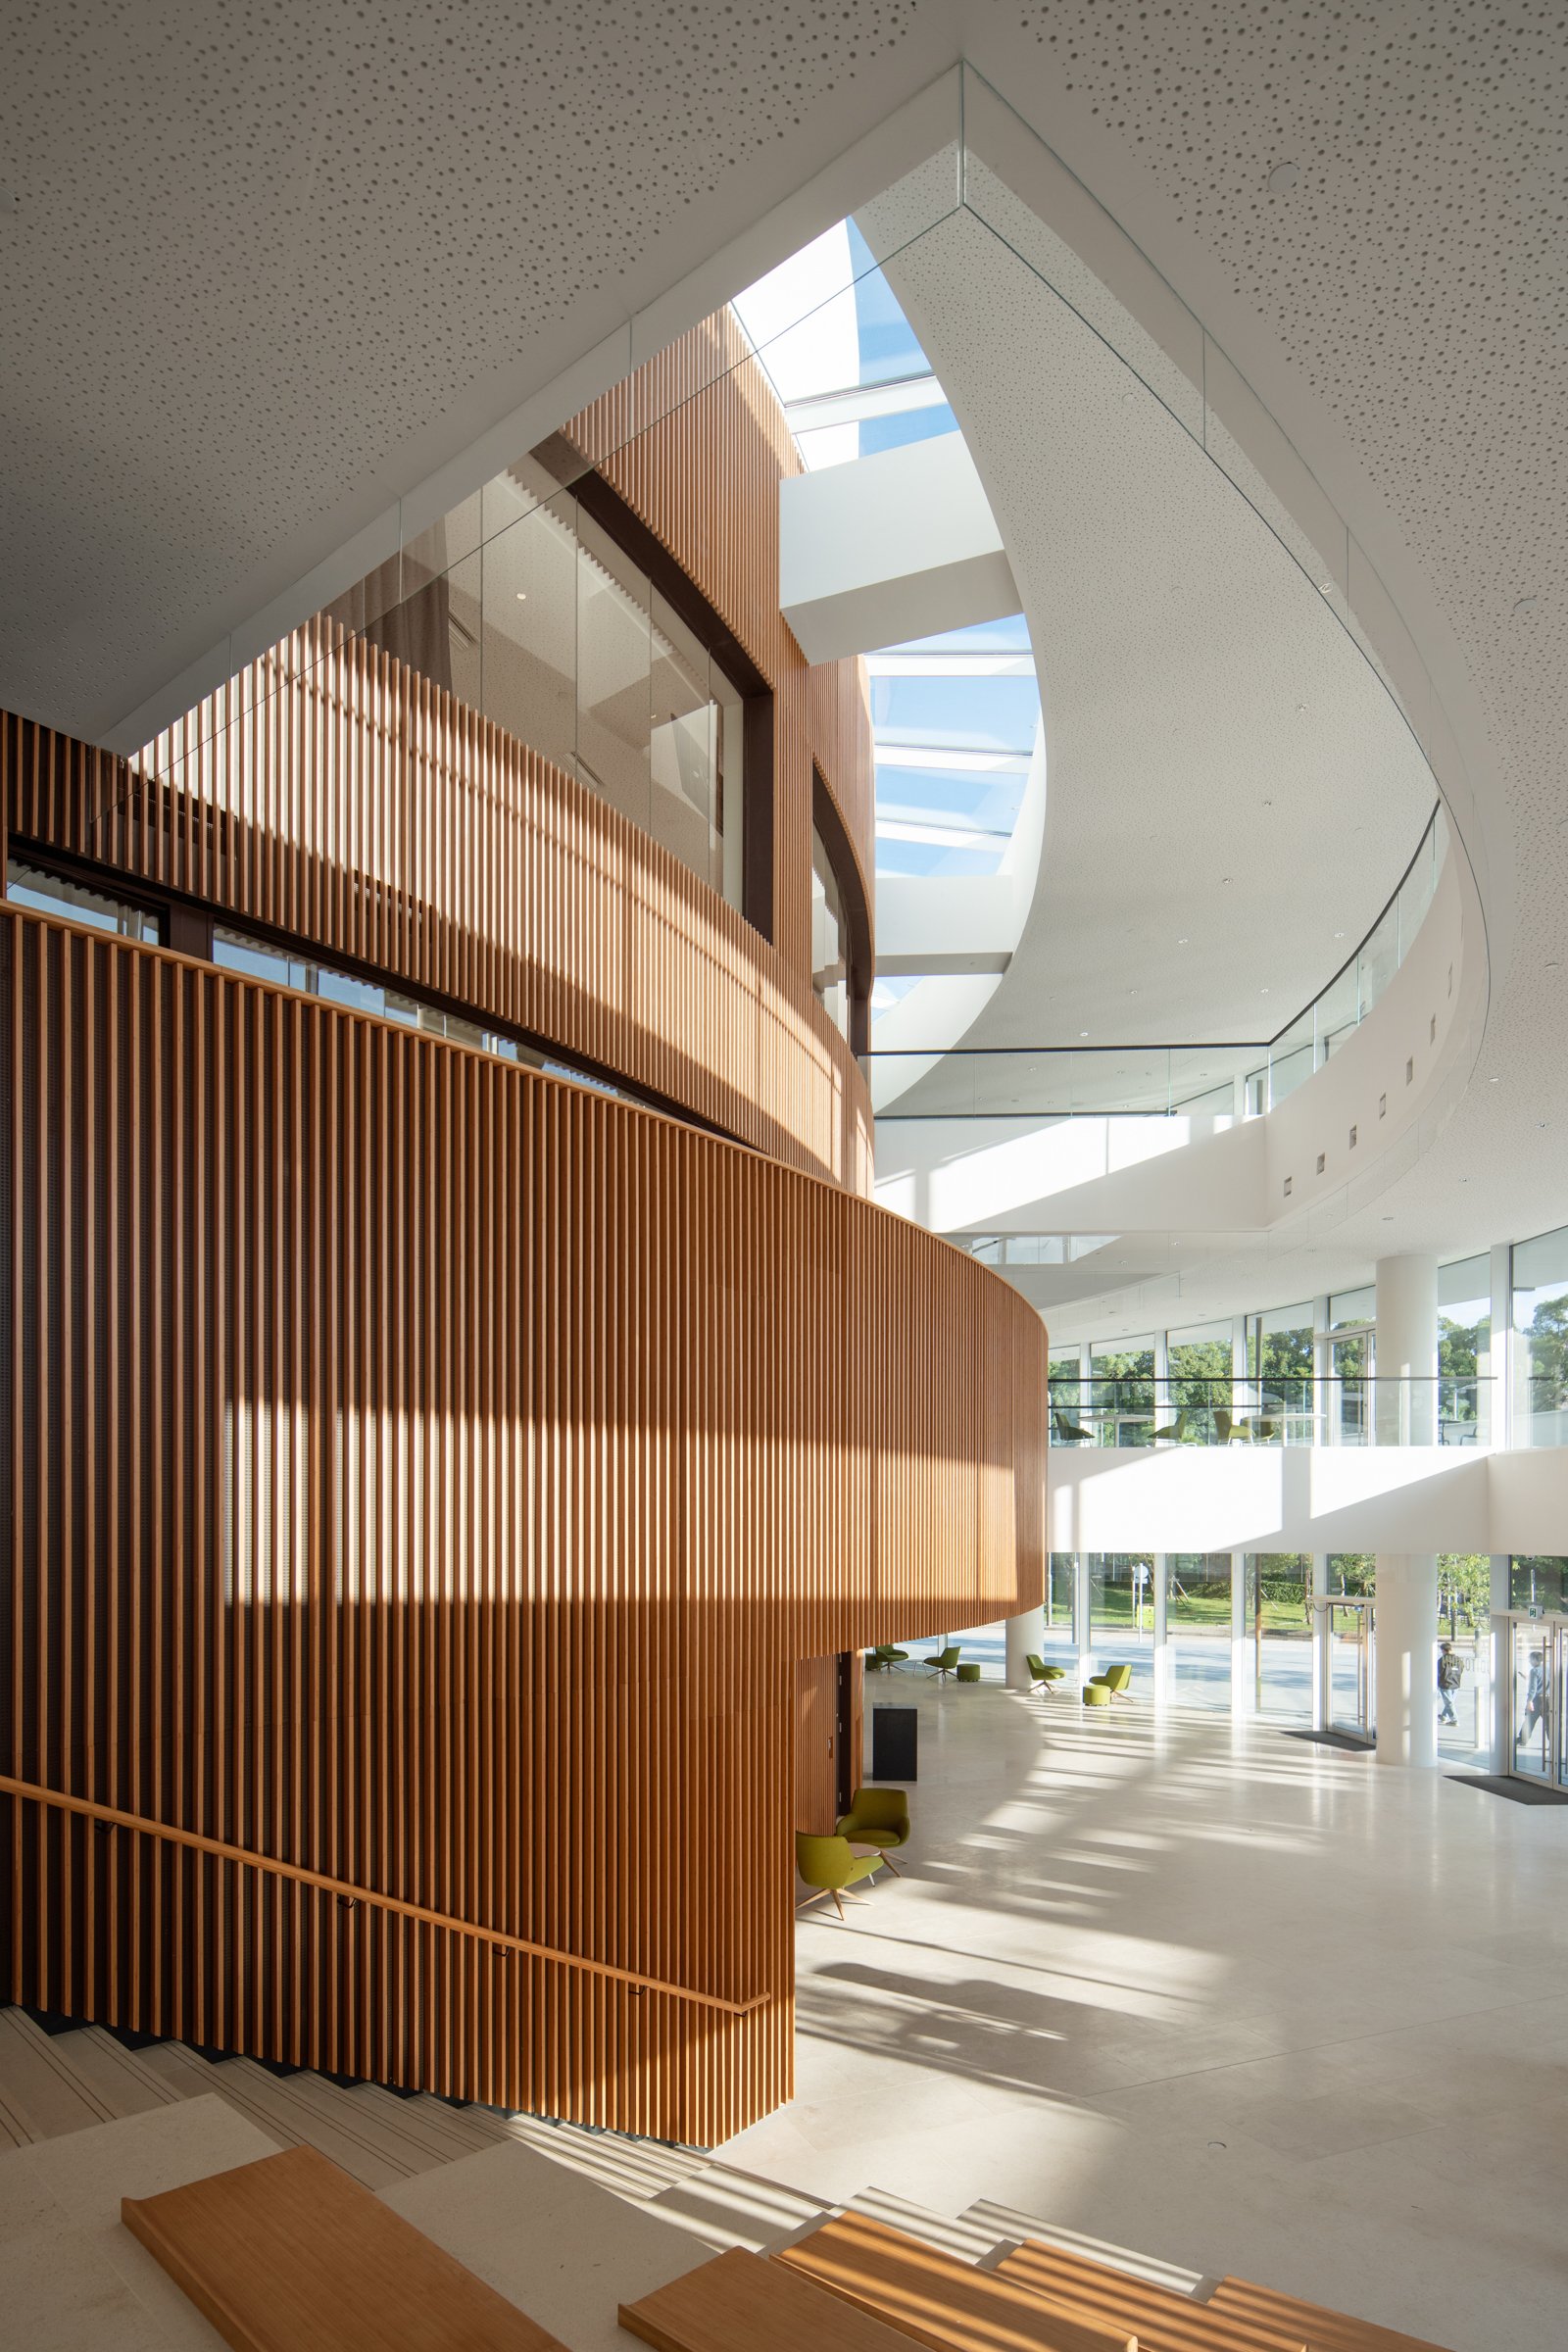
[255,249]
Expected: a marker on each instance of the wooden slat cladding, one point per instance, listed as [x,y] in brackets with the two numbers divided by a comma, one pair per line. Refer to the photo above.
[329,794]
[702,411]
[428,1473]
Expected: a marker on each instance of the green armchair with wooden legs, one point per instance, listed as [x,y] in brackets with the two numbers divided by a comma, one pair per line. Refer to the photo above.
[1116,1680]
[1043,1676]
[943,1665]
[829,1867]
[878,1816]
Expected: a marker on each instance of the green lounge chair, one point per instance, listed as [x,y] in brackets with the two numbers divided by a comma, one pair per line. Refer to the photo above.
[1117,1681]
[878,1816]
[828,1865]
[945,1661]
[1043,1676]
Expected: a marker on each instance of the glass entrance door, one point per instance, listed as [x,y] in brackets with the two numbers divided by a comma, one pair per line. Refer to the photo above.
[1352,1635]
[1534,1679]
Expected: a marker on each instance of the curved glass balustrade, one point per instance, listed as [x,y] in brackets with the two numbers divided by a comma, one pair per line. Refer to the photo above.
[1285,1410]
[1168,1081]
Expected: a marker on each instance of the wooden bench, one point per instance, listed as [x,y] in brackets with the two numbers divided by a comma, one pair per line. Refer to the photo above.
[290,2255]
[739,2302]
[1325,2330]
[939,2300]
[1162,2318]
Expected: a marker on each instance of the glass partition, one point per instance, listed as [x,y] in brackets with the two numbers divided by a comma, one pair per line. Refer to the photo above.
[1121,1392]
[1464,1636]
[1541,1320]
[1121,1614]
[1199,1627]
[1061,1631]
[1464,1349]
[1280,1620]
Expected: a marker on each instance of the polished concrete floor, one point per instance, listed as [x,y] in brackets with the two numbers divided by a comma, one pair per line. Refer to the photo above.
[1212,1993]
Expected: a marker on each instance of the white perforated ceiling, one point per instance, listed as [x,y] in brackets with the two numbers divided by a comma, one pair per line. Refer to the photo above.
[261,247]
[260,254]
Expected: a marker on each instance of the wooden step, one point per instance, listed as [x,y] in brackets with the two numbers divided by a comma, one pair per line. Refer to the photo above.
[1325,2330]
[743,2302]
[1161,2319]
[937,2299]
[290,2255]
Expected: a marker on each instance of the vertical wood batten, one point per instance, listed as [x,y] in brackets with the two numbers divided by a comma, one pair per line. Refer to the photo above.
[471,1459]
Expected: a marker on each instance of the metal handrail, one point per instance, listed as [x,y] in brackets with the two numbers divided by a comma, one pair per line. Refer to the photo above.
[346,1890]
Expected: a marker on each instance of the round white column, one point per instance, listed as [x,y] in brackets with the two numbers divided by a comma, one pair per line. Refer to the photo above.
[1406,1352]
[1024,1633]
[1406,1606]
[1406,1657]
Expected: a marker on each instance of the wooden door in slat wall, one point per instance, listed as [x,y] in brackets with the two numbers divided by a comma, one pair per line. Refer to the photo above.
[429,1473]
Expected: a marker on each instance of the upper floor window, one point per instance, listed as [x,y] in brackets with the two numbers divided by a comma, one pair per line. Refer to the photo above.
[1541,1320]
[830,969]
[581,655]
[50,894]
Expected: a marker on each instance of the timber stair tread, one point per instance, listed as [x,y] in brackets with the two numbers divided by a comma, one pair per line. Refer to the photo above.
[1163,2319]
[939,2299]
[741,2299]
[289,2254]
[1326,2330]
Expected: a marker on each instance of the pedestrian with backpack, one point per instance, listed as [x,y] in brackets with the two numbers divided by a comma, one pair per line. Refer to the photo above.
[1450,1674]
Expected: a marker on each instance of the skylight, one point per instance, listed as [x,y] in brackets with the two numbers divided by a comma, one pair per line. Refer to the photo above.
[956,716]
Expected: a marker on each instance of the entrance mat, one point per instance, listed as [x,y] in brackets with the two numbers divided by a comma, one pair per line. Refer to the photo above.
[1339,1739]
[1523,1792]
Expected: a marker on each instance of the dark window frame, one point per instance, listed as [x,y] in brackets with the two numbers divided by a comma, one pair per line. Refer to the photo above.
[603,502]
[859,956]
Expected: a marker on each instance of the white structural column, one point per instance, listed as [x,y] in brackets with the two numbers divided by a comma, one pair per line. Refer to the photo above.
[1024,1633]
[1406,1604]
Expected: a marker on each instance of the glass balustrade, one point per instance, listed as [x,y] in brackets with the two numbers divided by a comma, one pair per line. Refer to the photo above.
[1348,1409]
[1219,1083]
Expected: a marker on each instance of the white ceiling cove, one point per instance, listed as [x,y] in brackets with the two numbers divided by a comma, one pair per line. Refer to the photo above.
[1232,795]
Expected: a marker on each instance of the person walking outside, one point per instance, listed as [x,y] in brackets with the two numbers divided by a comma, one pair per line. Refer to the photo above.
[1450,1674]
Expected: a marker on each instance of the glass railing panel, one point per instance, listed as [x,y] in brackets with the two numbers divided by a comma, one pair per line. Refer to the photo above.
[1283,1410]
[1376,961]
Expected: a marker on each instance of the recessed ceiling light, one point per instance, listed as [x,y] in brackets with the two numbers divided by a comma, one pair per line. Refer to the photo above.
[522,596]
[1526,604]
[1493,1081]
[1181,943]
[1326,587]
[1339,934]
[1083,1033]
[1282,177]
[10,201]
[1551,963]
[1225,880]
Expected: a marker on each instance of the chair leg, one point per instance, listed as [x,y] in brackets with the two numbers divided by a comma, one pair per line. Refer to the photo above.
[838,1899]
[820,1897]
[890,1864]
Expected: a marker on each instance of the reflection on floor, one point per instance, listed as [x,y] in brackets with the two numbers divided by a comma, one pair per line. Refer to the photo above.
[1248,2005]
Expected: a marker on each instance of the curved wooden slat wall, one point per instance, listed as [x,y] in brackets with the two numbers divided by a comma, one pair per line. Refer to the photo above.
[335,795]
[429,1473]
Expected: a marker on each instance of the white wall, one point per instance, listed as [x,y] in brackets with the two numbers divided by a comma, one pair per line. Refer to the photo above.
[1396,1498]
